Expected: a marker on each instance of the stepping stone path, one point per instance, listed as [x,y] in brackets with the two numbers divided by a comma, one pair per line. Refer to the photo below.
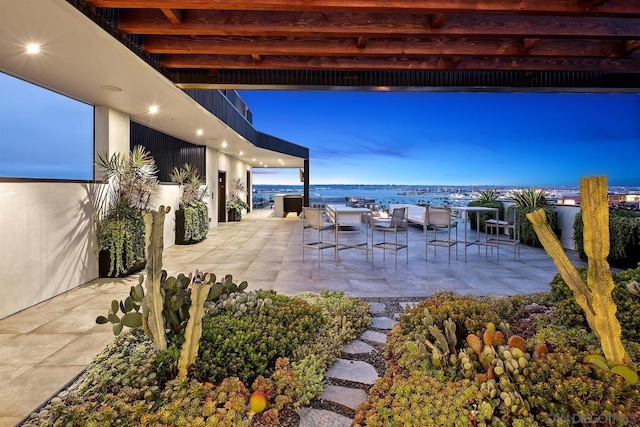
[377,307]
[322,418]
[345,396]
[355,371]
[376,337]
[383,323]
[357,347]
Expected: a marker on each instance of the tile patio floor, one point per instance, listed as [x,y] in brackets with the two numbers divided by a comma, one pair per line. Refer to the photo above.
[43,347]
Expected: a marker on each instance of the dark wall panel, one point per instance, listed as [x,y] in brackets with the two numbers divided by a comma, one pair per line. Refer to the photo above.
[168,152]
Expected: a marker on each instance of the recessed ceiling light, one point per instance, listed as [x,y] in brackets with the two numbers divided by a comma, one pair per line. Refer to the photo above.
[254,159]
[33,48]
[199,132]
[111,88]
[224,144]
[240,152]
[153,109]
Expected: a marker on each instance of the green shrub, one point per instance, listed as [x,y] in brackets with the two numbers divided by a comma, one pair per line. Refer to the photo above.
[563,339]
[528,235]
[624,238]
[191,403]
[570,314]
[248,346]
[121,232]
[468,313]
[348,316]
[119,386]
[511,308]
[484,216]
[562,389]
[196,220]
[419,400]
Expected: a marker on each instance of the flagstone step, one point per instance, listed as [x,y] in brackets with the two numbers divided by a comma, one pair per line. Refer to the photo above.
[357,347]
[377,307]
[373,336]
[322,418]
[353,370]
[344,396]
[383,323]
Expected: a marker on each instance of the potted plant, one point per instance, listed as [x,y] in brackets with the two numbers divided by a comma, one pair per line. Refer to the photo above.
[488,198]
[192,216]
[235,204]
[130,184]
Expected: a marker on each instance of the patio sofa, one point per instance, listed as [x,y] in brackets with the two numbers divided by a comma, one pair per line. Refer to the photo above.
[415,214]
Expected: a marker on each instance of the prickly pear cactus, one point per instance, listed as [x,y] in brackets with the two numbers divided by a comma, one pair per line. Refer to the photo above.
[199,287]
[154,299]
[594,297]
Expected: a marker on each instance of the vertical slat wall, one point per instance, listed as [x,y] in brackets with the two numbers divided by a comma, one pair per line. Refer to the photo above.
[168,151]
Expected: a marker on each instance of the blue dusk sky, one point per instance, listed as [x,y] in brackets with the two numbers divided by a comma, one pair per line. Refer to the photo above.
[523,139]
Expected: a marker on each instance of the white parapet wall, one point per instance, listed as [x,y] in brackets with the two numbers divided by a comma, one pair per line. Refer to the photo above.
[566,216]
[48,241]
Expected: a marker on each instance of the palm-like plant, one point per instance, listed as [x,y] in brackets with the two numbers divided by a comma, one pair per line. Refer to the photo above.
[131,179]
[528,200]
[192,185]
[529,197]
[130,185]
[487,195]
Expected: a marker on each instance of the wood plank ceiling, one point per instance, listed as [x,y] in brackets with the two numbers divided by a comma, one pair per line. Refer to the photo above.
[237,42]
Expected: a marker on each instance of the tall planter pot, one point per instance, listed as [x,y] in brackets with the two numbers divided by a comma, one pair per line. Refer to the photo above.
[104,264]
[180,230]
[233,215]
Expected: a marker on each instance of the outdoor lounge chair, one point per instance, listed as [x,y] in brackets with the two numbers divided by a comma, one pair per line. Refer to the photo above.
[313,219]
[496,228]
[438,219]
[395,224]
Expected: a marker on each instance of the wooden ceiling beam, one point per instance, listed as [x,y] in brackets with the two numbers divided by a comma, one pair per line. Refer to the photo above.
[529,43]
[173,15]
[548,7]
[198,22]
[631,45]
[437,20]
[361,42]
[390,47]
[405,63]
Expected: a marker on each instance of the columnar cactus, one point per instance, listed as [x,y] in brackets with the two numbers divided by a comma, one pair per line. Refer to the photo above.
[594,297]
[199,288]
[154,299]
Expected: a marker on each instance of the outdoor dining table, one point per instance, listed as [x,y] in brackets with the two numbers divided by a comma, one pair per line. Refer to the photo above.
[346,219]
[478,210]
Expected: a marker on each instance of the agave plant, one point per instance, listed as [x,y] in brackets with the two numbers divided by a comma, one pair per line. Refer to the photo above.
[131,179]
[130,185]
[529,197]
[487,195]
[192,185]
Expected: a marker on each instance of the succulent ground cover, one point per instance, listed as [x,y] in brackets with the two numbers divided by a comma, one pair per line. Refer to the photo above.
[258,341]
[524,360]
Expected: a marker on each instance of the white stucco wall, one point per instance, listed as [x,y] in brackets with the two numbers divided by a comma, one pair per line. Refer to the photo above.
[168,195]
[235,169]
[566,216]
[48,244]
